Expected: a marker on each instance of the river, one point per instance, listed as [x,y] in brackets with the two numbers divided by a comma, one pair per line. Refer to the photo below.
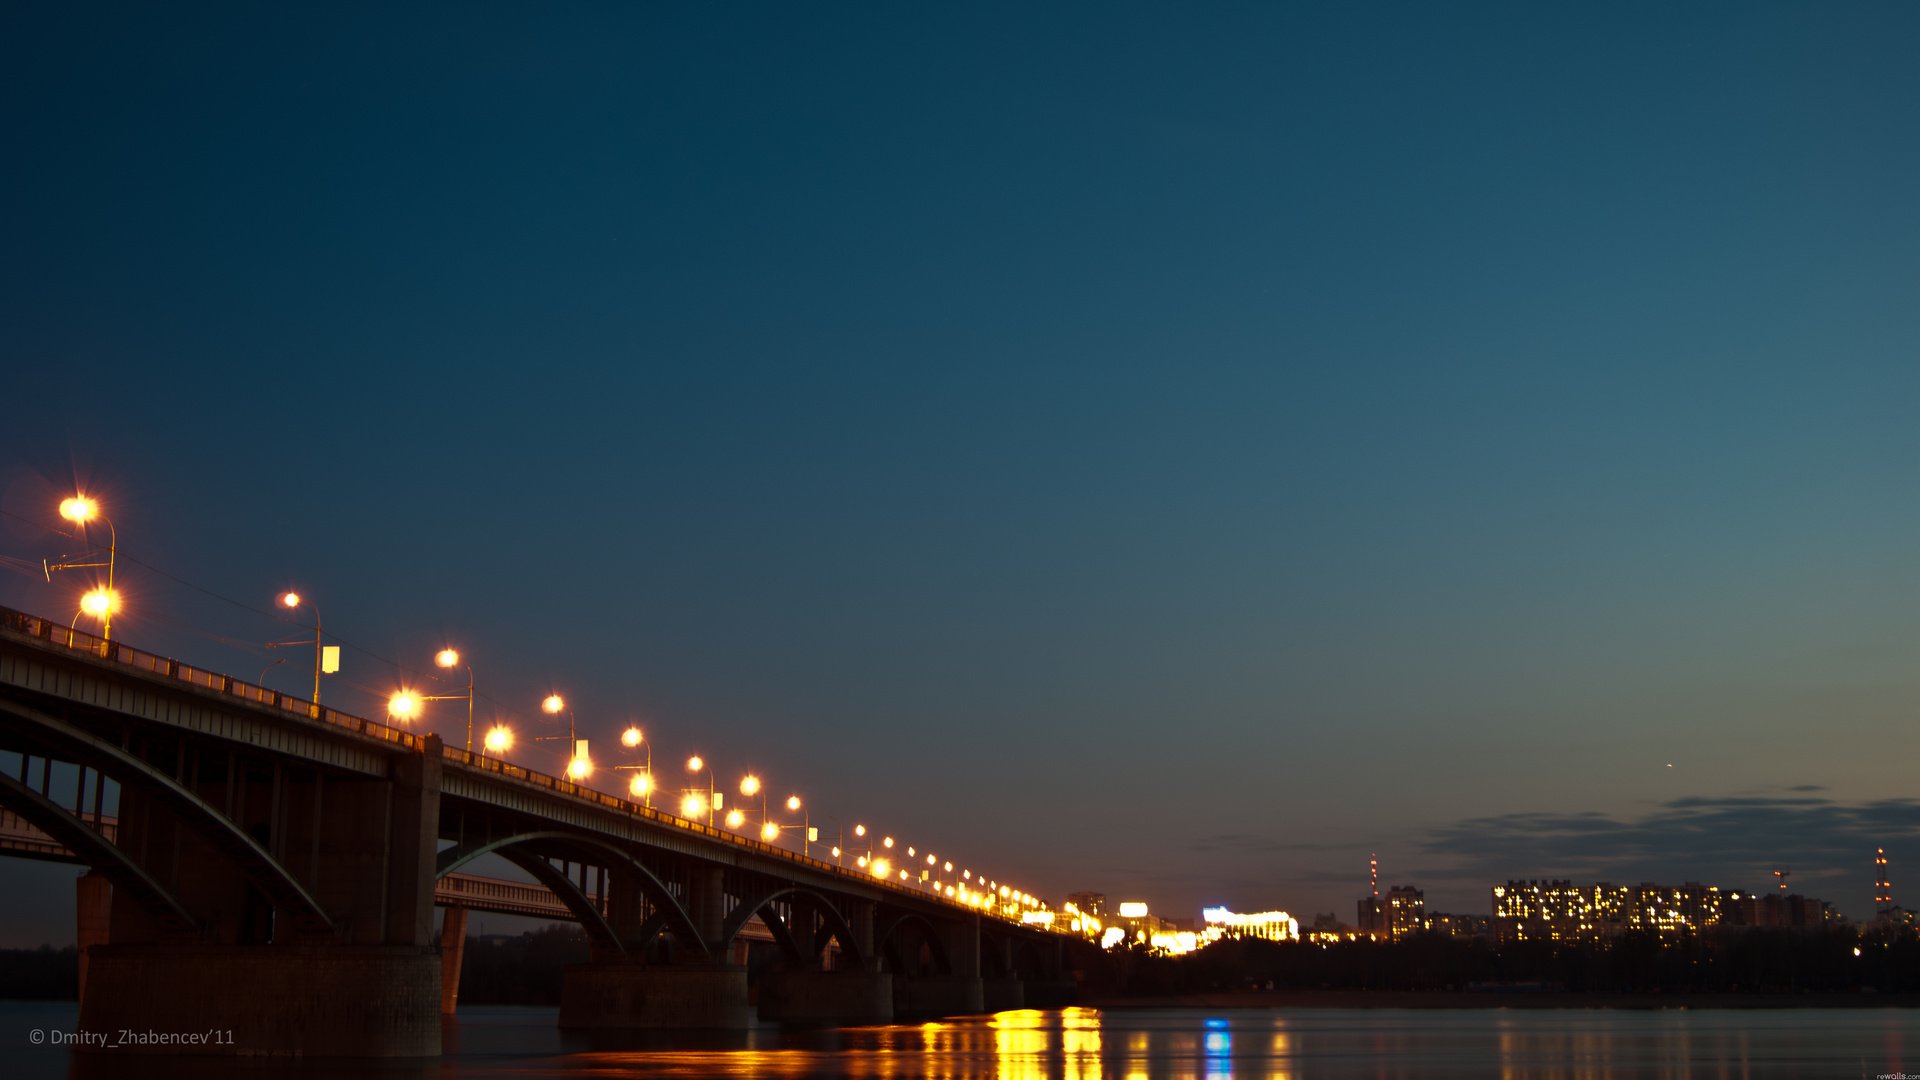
[1295,1044]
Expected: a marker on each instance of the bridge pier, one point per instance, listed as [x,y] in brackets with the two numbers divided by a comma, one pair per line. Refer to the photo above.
[93,913]
[633,994]
[453,951]
[260,978]
[268,1000]
[827,997]
[1000,995]
[938,995]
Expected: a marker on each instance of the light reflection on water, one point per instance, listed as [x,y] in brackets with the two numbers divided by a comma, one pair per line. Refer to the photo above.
[1129,1044]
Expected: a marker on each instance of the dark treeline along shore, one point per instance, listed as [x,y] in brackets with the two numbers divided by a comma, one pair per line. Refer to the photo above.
[1841,963]
[1751,962]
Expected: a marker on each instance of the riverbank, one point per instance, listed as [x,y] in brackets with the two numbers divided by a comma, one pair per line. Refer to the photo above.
[1498,999]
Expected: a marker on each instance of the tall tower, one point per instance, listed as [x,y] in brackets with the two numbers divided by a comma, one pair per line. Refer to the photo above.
[1882,888]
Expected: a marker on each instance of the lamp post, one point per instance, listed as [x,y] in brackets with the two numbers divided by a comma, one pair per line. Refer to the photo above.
[449,658]
[292,601]
[695,765]
[794,805]
[99,603]
[406,704]
[641,786]
[578,764]
[750,786]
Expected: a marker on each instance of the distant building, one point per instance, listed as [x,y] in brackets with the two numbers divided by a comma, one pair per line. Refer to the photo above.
[1406,912]
[1267,925]
[1774,911]
[1898,918]
[1563,911]
[1372,920]
[1460,927]
[1091,903]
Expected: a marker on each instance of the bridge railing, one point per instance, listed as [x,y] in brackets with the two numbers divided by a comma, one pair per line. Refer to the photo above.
[80,641]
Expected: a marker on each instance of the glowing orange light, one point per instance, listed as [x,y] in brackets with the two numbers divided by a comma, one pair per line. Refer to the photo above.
[881,868]
[793,802]
[749,784]
[499,740]
[404,704]
[579,769]
[696,763]
[770,832]
[694,805]
[291,599]
[553,704]
[640,786]
[631,738]
[79,509]
[99,603]
[859,830]
[447,658]
[735,819]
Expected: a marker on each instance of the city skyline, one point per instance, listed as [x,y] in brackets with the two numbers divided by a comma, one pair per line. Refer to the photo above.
[1173,455]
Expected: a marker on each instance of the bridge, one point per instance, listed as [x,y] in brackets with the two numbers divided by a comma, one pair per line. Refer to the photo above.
[272,868]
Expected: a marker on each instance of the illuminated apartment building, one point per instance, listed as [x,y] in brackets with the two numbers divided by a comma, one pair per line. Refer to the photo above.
[1563,911]
[1406,911]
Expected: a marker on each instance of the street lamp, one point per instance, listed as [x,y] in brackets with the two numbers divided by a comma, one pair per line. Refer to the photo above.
[449,659]
[499,740]
[693,805]
[99,603]
[579,765]
[749,787]
[807,835]
[641,786]
[292,601]
[410,708]
[770,830]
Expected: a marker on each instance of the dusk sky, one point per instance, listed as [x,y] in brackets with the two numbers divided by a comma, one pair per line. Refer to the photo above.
[1172,451]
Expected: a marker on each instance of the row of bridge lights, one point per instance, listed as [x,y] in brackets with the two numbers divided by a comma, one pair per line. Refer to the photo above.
[705,803]
[695,804]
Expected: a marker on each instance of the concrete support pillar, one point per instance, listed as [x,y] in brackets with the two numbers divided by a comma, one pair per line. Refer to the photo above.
[631,995]
[938,995]
[413,846]
[367,985]
[827,997]
[453,950]
[860,917]
[1000,995]
[962,940]
[267,1000]
[958,993]
[707,903]
[93,911]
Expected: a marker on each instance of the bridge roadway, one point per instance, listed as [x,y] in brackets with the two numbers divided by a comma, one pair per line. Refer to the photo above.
[274,867]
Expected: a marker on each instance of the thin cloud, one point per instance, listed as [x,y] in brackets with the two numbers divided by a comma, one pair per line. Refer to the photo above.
[1734,841]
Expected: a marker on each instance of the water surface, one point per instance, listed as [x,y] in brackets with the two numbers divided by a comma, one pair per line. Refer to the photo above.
[1294,1044]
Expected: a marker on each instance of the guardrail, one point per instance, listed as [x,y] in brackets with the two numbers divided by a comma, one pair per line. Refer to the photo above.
[81,641]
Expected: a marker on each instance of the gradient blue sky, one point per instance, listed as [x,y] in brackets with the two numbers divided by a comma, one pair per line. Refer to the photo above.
[1159,450]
